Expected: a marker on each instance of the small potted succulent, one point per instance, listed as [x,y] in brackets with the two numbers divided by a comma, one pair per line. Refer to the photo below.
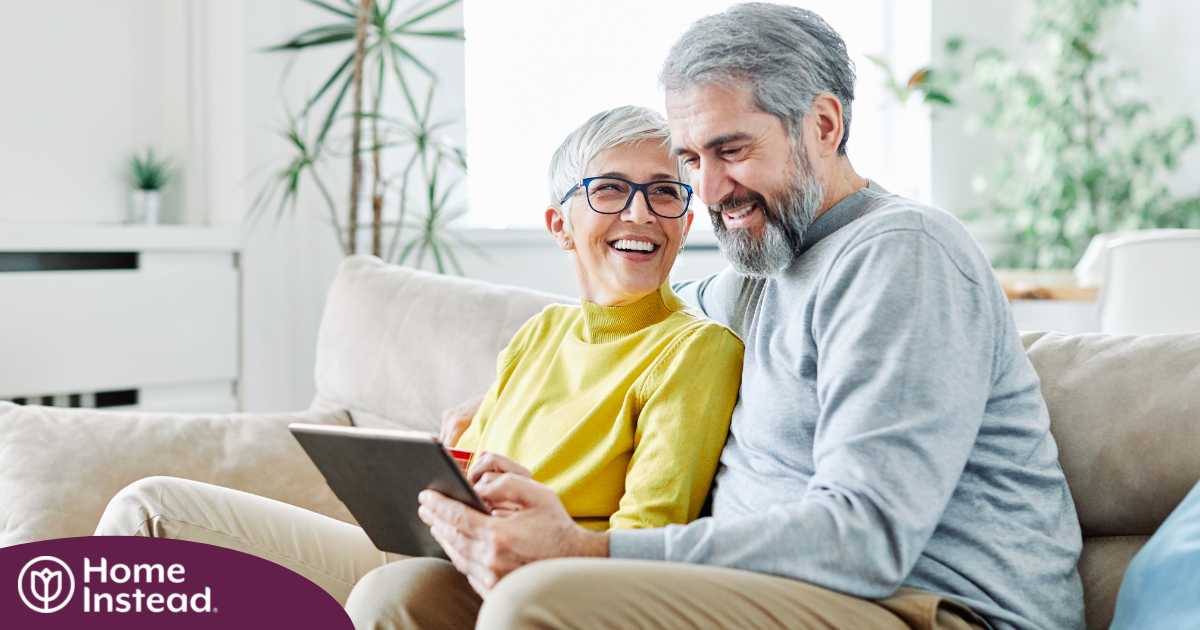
[147,175]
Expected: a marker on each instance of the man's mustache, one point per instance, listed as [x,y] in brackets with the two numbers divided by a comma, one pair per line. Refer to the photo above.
[730,204]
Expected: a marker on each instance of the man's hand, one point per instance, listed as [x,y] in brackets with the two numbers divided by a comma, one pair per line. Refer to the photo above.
[489,466]
[456,419]
[532,526]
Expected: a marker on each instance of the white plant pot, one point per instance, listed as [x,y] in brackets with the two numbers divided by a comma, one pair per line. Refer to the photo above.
[144,206]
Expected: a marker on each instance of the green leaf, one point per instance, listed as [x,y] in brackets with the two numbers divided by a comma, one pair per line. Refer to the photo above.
[458,34]
[342,12]
[319,36]
[332,79]
[431,12]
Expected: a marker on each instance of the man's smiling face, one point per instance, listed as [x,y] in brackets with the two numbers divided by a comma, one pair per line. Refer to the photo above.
[734,150]
[759,188]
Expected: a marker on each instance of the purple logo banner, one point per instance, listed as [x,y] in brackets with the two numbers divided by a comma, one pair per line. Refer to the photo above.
[135,582]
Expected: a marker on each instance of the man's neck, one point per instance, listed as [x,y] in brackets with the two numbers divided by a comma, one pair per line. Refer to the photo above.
[844,181]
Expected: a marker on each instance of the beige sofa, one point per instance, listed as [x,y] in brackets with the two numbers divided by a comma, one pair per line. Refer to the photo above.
[397,346]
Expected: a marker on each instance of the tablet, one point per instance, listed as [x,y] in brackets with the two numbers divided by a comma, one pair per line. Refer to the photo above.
[378,474]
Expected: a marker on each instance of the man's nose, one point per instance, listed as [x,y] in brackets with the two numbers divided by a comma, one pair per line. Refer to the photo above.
[712,182]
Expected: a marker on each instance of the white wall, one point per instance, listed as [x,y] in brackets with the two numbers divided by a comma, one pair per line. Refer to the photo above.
[1156,38]
[93,82]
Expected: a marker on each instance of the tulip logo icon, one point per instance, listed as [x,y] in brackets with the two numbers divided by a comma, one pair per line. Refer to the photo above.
[40,589]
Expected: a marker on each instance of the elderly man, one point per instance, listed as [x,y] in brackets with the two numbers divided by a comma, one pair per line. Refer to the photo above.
[889,464]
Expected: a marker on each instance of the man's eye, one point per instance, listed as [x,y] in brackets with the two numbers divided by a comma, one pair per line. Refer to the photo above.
[729,153]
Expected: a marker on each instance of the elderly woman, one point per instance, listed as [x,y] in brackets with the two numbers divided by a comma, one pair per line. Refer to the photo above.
[621,405]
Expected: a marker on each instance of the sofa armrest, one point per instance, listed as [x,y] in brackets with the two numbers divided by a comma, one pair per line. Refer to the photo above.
[60,467]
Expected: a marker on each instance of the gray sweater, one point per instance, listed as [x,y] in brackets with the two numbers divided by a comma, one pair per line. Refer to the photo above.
[889,430]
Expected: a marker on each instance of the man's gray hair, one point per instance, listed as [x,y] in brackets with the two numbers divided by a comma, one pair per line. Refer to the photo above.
[622,125]
[789,56]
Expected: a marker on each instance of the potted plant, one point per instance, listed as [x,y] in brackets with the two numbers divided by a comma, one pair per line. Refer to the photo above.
[147,176]
[373,37]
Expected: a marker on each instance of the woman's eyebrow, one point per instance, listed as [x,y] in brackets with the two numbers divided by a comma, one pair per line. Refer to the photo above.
[654,178]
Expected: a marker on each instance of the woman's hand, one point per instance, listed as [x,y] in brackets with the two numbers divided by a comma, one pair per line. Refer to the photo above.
[456,419]
[489,466]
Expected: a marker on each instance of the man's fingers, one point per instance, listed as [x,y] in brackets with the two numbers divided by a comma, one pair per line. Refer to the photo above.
[488,462]
[479,586]
[515,490]
[438,507]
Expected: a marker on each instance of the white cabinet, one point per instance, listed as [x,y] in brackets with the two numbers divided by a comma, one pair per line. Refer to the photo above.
[142,317]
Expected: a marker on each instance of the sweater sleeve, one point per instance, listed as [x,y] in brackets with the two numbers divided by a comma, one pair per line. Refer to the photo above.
[905,355]
[689,396]
[712,295]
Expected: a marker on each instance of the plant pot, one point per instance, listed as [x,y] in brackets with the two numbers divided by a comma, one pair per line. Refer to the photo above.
[144,206]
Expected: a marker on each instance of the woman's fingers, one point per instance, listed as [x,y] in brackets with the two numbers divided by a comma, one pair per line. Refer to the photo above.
[455,420]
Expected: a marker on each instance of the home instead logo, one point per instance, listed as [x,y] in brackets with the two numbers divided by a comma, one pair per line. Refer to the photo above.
[45,586]
[135,582]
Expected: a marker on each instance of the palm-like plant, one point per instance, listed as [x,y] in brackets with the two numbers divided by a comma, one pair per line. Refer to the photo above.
[380,32]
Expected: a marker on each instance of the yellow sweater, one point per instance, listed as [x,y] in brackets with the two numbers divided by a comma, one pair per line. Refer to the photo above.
[623,411]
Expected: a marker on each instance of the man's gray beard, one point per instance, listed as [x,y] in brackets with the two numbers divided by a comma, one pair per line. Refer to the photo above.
[783,233]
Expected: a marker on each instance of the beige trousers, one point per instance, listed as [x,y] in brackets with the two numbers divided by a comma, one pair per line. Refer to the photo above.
[384,591]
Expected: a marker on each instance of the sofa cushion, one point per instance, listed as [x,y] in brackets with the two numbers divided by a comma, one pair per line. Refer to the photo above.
[1101,566]
[1161,589]
[1125,411]
[60,467]
[397,346]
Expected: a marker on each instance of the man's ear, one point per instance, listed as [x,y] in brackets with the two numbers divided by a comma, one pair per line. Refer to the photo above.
[558,229]
[825,122]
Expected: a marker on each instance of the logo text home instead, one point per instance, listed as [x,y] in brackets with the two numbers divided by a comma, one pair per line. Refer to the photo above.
[46,584]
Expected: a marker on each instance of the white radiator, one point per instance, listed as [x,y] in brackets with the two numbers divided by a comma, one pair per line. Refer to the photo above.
[136,317]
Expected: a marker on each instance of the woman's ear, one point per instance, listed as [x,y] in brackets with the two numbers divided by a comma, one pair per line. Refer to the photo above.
[687,227]
[558,229]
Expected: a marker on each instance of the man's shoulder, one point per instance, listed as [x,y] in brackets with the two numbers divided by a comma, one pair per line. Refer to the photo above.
[893,217]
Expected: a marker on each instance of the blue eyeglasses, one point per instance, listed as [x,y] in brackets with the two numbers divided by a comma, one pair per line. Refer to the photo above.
[614,195]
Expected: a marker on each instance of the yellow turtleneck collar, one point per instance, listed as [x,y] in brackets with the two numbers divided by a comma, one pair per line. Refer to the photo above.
[602,324]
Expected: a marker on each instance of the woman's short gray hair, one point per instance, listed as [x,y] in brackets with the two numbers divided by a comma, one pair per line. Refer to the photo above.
[622,125]
[789,56]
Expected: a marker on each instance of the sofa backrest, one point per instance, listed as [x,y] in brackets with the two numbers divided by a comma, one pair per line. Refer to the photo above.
[398,346]
[1125,411]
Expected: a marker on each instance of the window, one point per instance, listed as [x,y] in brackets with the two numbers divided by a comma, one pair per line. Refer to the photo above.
[532,69]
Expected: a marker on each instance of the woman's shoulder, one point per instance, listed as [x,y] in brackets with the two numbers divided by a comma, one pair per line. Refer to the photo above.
[693,326]
[550,318]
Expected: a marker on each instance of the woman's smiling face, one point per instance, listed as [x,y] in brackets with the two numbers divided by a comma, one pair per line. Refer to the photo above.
[621,258]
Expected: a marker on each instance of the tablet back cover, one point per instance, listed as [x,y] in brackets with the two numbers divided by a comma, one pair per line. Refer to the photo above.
[379,478]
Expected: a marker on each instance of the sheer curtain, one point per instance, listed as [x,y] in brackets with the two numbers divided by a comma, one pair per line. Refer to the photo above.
[536,69]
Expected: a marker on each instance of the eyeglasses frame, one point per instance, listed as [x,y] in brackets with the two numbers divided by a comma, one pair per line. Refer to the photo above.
[644,188]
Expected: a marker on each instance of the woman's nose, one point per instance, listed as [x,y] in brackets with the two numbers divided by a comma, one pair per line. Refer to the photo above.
[639,209]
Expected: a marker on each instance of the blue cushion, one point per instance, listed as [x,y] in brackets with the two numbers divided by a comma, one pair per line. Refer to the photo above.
[1161,588]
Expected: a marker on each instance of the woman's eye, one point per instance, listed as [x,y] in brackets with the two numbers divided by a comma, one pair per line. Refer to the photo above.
[666,191]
